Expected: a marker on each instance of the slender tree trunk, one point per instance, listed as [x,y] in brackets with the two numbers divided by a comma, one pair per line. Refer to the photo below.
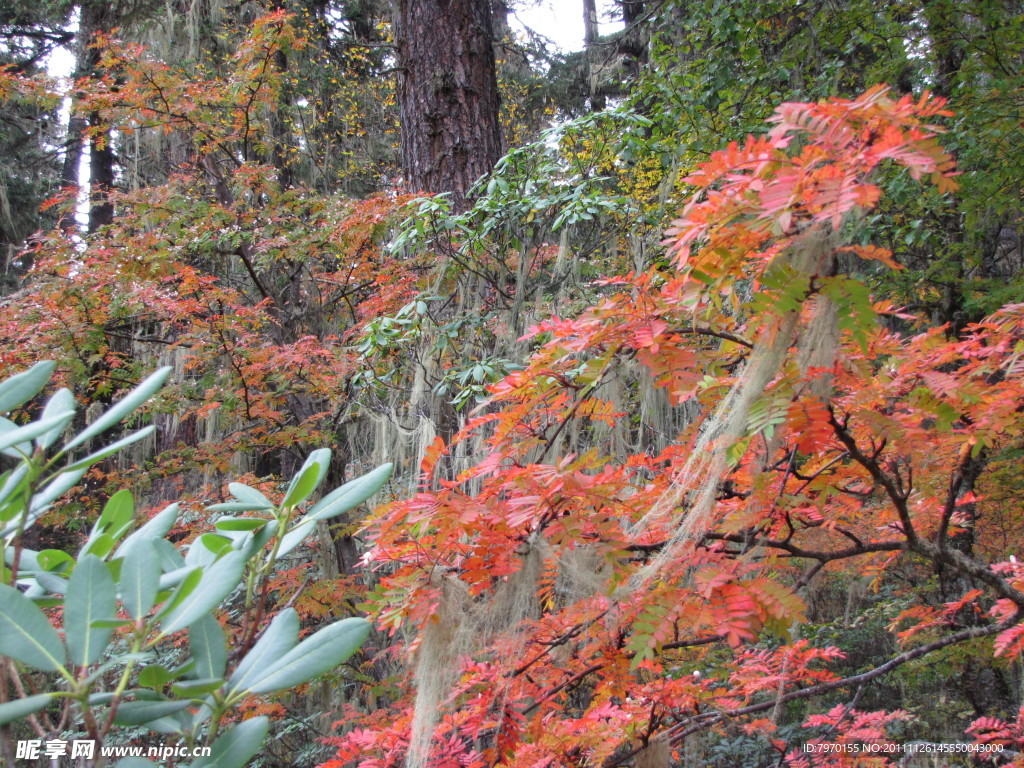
[448,94]
[590,39]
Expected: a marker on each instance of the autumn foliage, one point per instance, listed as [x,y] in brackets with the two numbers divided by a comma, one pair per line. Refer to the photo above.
[618,557]
[584,616]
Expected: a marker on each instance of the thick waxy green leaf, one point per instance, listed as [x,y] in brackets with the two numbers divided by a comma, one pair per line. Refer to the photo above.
[101,546]
[22,387]
[62,402]
[11,490]
[26,634]
[12,437]
[60,485]
[142,712]
[155,676]
[338,501]
[53,559]
[351,494]
[19,708]
[15,451]
[234,748]
[278,638]
[118,511]
[218,581]
[295,536]
[315,655]
[177,576]
[156,528]
[123,407]
[262,537]
[240,524]
[51,582]
[140,579]
[113,448]
[186,585]
[214,542]
[176,723]
[169,557]
[231,506]
[136,762]
[250,496]
[90,597]
[112,623]
[193,688]
[308,478]
[116,518]
[209,647]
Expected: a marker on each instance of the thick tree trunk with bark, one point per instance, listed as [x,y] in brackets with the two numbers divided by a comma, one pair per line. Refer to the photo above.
[448,94]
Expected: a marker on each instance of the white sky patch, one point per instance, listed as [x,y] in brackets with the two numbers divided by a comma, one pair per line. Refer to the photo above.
[561,21]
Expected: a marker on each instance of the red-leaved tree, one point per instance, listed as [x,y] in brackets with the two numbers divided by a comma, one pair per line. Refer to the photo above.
[576,609]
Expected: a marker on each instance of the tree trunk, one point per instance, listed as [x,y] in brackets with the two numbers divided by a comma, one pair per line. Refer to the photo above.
[590,38]
[96,16]
[448,95]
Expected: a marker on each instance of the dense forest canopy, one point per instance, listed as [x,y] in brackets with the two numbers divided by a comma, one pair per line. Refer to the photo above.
[672,387]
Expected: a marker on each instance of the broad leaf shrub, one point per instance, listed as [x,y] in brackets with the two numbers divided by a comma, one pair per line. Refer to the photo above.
[573,608]
[124,632]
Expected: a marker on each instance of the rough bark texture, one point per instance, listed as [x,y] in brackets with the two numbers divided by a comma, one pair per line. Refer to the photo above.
[448,94]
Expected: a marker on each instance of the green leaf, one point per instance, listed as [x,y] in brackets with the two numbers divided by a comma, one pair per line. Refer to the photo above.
[112,623]
[62,403]
[101,546]
[240,523]
[123,407]
[234,748]
[19,708]
[26,634]
[193,688]
[52,559]
[279,637]
[22,387]
[32,430]
[51,582]
[140,579]
[113,448]
[188,580]
[118,513]
[156,528]
[315,655]
[90,597]
[60,485]
[171,579]
[215,542]
[18,451]
[142,712]
[155,676]
[250,496]
[232,506]
[295,536]
[308,478]
[14,484]
[168,555]
[218,581]
[351,494]
[209,647]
